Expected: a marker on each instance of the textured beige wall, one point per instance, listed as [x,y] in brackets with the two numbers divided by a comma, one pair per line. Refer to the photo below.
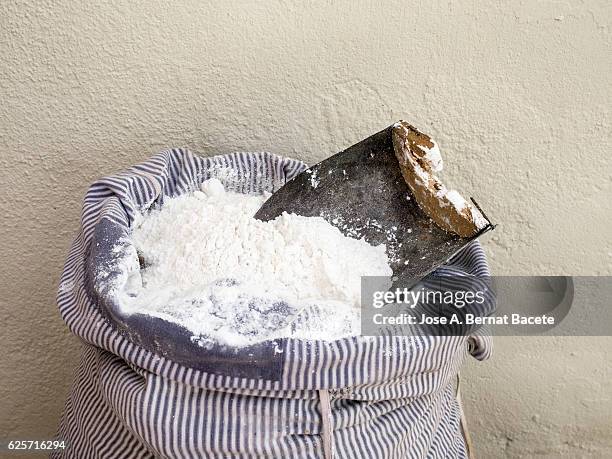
[517,93]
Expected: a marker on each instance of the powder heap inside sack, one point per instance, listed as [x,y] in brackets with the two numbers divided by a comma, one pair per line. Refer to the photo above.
[231,279]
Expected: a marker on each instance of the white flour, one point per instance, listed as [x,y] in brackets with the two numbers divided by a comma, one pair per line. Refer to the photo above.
[232,279]
[433,156]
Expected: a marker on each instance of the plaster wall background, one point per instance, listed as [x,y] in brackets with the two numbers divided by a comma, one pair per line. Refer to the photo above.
[516,93]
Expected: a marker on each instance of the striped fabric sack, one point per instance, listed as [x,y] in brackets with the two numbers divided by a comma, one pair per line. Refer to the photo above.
[144,389]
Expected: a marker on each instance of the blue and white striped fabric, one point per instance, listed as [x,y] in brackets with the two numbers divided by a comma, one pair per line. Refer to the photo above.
[142,389]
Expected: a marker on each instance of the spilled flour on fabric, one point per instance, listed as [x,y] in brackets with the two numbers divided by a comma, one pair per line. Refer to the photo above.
[231,279]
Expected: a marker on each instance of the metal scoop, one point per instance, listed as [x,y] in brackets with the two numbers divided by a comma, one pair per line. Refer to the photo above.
[362,192]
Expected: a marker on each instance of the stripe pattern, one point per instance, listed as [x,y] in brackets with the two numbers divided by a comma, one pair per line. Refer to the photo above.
[386,396]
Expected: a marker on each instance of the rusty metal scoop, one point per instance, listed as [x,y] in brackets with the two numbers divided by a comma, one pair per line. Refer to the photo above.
[362,191]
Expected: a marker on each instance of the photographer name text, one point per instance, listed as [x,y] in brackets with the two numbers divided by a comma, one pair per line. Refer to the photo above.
[460,319]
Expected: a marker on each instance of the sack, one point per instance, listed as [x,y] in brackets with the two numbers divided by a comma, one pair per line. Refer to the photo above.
[145,389]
